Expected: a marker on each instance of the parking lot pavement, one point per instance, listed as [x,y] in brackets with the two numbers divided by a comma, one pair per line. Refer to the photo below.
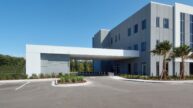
[9,86]
[104,92]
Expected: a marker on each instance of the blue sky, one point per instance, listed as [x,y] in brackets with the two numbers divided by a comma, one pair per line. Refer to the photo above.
[61,22]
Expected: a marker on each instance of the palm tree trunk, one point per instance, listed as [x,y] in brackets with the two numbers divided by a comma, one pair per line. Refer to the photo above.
[164,73]
[182,69]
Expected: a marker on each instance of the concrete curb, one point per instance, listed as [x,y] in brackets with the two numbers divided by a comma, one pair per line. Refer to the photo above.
[152,81]
[71,85]
[28,80]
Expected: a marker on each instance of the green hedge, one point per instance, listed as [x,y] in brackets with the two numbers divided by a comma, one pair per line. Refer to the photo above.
[12,67]
[12,76]
[70,78]
[153,77]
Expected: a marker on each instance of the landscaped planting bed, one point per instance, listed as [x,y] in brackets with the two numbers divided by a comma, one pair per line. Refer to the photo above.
[153,77]
[70,79]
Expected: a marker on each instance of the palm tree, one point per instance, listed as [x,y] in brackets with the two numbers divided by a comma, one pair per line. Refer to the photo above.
[184,52]
[163,49]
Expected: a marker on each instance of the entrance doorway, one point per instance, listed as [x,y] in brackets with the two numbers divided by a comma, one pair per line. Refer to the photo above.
[143,68]
[191,68]
[129,68]
[116,69]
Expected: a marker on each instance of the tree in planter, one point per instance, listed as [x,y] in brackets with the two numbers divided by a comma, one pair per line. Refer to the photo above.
[183,52]
[163,49]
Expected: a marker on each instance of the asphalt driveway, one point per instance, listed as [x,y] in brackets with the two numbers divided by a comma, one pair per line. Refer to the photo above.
[104,92]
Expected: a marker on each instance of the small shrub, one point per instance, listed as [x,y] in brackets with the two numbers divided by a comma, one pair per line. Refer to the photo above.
[60,75]
[41,75]
[71,78]
[80,79]
[74,79]
[34,76]
[53,75]
[47,76]
[154,77]
[11,76]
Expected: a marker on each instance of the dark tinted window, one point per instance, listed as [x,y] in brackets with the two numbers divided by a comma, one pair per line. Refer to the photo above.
[166,23]
[157,22]
[191,31]
[136,47]
[143,46]
[129,31]
[136,28]
[144,24]
[182,28]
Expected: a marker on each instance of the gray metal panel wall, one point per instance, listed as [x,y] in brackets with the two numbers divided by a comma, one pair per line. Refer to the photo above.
[54,63]
[137,38]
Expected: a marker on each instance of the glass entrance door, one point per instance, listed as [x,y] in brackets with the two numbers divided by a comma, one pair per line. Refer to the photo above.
[116,69]
[144,68]
[129,68]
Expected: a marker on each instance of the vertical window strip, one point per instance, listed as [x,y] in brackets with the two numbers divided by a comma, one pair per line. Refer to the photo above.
[182,28]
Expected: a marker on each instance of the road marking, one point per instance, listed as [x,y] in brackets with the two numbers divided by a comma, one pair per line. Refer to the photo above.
[21,86]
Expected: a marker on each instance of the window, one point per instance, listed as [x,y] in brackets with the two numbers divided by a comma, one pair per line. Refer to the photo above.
[157,22]
[136,47]
[129,31]
[144,24]
[182,16]
[136,28]
[182,28]
[191,31]
[143,46]
[166,23]
[157,42]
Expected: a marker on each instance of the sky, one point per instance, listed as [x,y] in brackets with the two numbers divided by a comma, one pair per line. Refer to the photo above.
[61,22]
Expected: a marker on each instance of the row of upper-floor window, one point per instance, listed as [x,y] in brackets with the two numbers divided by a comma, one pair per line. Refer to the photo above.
[136,27]
[136,47]
[143,27]
[116,38]
[166,24]
[135,30]
[183,15]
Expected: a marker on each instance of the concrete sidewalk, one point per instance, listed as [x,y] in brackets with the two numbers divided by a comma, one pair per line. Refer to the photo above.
[28,80]
[153,81]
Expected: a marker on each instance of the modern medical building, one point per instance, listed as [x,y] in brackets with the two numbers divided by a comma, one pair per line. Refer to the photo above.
[126,48]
